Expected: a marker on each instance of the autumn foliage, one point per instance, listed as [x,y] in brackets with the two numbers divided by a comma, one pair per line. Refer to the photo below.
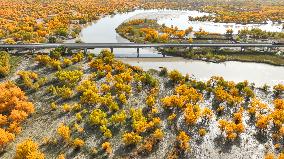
[14,109]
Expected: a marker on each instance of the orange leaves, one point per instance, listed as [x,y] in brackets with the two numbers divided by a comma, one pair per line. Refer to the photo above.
[18,115]
[5,137]
[231,129]
[4,63]
[131,138]
[14,104]
[183,141]
[185,94]
[78,143]
[191,114]
[64,132]
[28,149]
[107,147]
[262,121]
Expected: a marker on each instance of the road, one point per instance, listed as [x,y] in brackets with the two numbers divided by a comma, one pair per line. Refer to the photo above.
[132,45]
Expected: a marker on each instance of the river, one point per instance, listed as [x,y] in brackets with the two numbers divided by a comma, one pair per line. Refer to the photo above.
[103,31]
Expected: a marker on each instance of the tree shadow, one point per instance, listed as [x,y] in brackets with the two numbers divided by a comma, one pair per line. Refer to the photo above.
[226,145]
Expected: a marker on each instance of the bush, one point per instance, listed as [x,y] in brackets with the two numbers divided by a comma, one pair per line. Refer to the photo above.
[77,57]
[78,143]
[14,104]
[4,63]
[64,132]
[175,76]
[183,141]
[107,147]
[28,149]
[131,138]
[164,71]
[69,78]
[31,79]
[98,117]
[5,137]
[57,53]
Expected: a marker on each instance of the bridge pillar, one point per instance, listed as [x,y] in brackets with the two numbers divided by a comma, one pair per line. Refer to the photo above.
[138,52]
[242,49]
[65,50]
[85,51]
[111,50]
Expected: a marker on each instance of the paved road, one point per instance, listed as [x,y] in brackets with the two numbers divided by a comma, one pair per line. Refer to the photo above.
[131,45]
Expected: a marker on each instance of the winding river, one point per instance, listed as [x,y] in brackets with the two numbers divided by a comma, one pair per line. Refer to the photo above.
[103,31]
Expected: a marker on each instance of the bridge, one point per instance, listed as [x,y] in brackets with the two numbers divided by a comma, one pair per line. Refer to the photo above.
[111,46]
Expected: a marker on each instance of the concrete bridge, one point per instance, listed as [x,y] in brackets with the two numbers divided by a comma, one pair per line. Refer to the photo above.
[111,46]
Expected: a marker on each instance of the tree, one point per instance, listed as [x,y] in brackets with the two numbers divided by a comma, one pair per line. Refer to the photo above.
[131,138]
[183,140]
[4,63]
[107,147]
[190,40]
[28,149]
[5,138]
[64,132]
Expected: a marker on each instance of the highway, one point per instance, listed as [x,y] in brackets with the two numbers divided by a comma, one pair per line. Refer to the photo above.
[133,45]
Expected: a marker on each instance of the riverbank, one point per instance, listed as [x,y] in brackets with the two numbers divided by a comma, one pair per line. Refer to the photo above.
[149,31]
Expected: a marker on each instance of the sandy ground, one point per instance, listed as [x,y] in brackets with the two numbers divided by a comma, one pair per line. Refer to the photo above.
[250,145]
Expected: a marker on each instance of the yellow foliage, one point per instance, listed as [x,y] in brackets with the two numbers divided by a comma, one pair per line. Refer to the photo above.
[192,114]
[202,132]
[4,63]
[5,137]
[183,141]
[78,143]
[107,147]
[131,138]
[64,132]
[98,117]
[27,150]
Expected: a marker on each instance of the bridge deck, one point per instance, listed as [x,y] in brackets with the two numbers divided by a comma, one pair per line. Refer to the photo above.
[131,45]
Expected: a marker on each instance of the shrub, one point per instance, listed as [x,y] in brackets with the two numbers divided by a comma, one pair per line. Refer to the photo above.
[192,114]
[106,132]
[77,57]
[69,78]
[31,79]
[5,138]
[43,59]
[98,117]
[118,117]
[78,143]
[183,140]
[14,104]
[164,71]
[4,63]
[131,138]
[107,147]
[149,80]
[67,62]
[64,132]
[202,132]
[175,76]
[28,149]
[57,52]
[278,89]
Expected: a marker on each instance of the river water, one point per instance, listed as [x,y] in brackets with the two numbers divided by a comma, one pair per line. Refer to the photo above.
[103,31]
